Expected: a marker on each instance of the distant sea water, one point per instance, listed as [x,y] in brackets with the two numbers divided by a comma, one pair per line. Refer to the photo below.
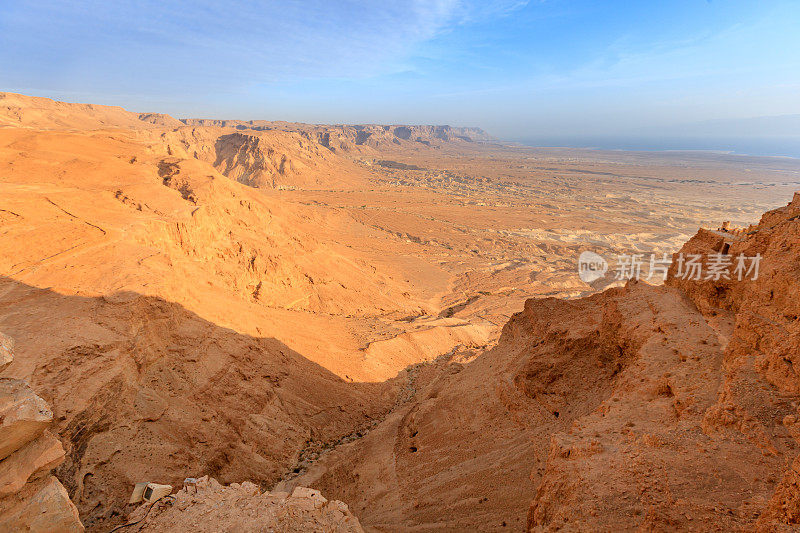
[775,146]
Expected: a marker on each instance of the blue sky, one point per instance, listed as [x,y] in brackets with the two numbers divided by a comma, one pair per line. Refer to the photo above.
[519,69]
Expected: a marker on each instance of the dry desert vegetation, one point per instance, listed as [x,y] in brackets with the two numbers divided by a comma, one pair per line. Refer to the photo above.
[381,328]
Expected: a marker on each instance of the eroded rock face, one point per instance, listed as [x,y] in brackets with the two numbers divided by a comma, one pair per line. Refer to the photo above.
[243,507]
[30,498]
[39,455]
[714,448]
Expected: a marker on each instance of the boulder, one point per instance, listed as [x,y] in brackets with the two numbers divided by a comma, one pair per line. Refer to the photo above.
[40,507]
[23,415]
[37,456]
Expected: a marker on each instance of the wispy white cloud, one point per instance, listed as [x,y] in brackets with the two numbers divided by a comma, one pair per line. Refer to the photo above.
[238,40]
[477,11]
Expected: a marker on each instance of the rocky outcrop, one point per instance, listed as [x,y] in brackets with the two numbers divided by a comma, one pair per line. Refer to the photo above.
[759,394]
[281,160]
[30,498]
[259,158]
[243,507]
[43,507]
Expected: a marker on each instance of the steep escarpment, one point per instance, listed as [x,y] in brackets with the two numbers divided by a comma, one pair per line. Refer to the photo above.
[280,160]
[291,156]
[341,137]
[758,398]
[261,154]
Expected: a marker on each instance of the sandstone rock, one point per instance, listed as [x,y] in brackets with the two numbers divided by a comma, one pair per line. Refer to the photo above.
[39,455]
[23,415]
[241,507]
[724,406]
[30,499]
[44,507]
[6,351]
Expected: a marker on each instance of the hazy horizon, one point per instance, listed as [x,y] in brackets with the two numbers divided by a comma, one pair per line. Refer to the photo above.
[683,73]
[787,148]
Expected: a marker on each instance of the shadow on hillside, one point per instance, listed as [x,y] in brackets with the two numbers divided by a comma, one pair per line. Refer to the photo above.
[144,390]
